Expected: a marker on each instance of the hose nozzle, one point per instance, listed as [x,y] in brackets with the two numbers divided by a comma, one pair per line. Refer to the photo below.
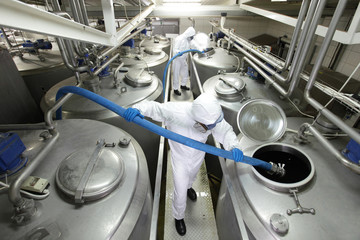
[277,169]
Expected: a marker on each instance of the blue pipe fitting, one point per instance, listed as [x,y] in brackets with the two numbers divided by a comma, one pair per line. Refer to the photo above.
[155,128]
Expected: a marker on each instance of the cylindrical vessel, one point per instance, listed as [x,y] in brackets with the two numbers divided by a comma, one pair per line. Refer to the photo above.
[131,86]
[327,193]
[42,71]
[154,59]
[116,200]
[233,91]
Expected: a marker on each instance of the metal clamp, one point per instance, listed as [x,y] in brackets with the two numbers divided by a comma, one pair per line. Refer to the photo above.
[299,208]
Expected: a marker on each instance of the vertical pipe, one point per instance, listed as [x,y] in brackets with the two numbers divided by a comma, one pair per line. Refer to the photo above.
[327,40]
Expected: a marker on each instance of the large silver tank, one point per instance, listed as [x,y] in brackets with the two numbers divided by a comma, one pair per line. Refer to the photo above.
[324,186]
[117,197]
[153,58]
[233,90]
[157,41]
[208,64]
[40,74]
[131,86]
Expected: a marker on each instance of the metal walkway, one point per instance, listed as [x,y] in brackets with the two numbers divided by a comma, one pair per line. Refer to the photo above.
[199,215]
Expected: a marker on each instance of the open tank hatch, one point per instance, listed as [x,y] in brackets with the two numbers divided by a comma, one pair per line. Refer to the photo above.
[299,168]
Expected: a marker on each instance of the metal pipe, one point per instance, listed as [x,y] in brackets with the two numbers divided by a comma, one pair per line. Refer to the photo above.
[14,191]
[117,70]
[84,12]
[108,51]
[156,202]
[294,38]
[102,67]
[74,10]
[329,147]
[230,188]
[78,10]
[65,57]
[34,126]
[325,45]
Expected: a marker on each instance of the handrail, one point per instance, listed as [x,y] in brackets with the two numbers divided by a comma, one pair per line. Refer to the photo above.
[156,202]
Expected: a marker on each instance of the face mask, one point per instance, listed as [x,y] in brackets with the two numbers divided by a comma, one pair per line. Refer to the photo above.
[203,128]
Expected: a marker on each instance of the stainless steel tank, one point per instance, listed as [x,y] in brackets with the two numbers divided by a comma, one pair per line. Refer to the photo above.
[41,73]
[157,41]
[116,200]
[316,199]
[215,59]
[130,86]
[233,91]
[154,59]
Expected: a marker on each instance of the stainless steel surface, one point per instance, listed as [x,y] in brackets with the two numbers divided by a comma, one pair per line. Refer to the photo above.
[123,214]
[139,58]
[333,187]
[261,120]
[157,42]
[80,107]
[279,223]
[90,174]
[299,208]
[138,78]
[199,215]
[253,90]
[208,66]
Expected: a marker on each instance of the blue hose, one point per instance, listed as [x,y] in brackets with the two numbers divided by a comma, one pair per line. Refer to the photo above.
[155,128]
[167,65]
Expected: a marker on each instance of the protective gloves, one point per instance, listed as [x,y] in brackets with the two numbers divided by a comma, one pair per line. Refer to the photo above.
[238,155]
[131,113]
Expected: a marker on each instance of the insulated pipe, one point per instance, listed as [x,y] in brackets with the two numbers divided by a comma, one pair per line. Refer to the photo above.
[156,129]
[329,147]
[167,65]
[325,45]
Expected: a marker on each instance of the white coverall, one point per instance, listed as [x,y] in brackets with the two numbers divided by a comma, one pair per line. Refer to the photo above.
[179,117]
[179,65]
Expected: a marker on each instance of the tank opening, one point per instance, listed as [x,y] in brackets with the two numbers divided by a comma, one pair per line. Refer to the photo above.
[297,165]
[208,50]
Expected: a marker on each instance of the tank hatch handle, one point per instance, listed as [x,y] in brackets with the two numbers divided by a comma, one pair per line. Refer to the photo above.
[239,90]
[87,173]
[299,208]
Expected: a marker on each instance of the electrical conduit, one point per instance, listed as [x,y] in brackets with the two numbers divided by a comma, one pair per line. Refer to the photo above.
[155,128]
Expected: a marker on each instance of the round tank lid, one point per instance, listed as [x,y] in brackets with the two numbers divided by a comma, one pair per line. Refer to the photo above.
[138,77]
[90,173]
[261,120]
[161,37]
[207,52]
[229,86]
[153,51]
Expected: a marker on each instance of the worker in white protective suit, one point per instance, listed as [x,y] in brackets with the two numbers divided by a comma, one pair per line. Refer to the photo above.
[196,120]
[179,64]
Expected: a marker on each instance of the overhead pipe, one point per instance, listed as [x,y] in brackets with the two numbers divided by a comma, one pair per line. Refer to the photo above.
[84,12]
[322,52]
[299,59]
[329,147]
[107,63]
[108,51]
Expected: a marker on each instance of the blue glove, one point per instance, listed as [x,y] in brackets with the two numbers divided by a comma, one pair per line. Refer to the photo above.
[238,155]
[131,113]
